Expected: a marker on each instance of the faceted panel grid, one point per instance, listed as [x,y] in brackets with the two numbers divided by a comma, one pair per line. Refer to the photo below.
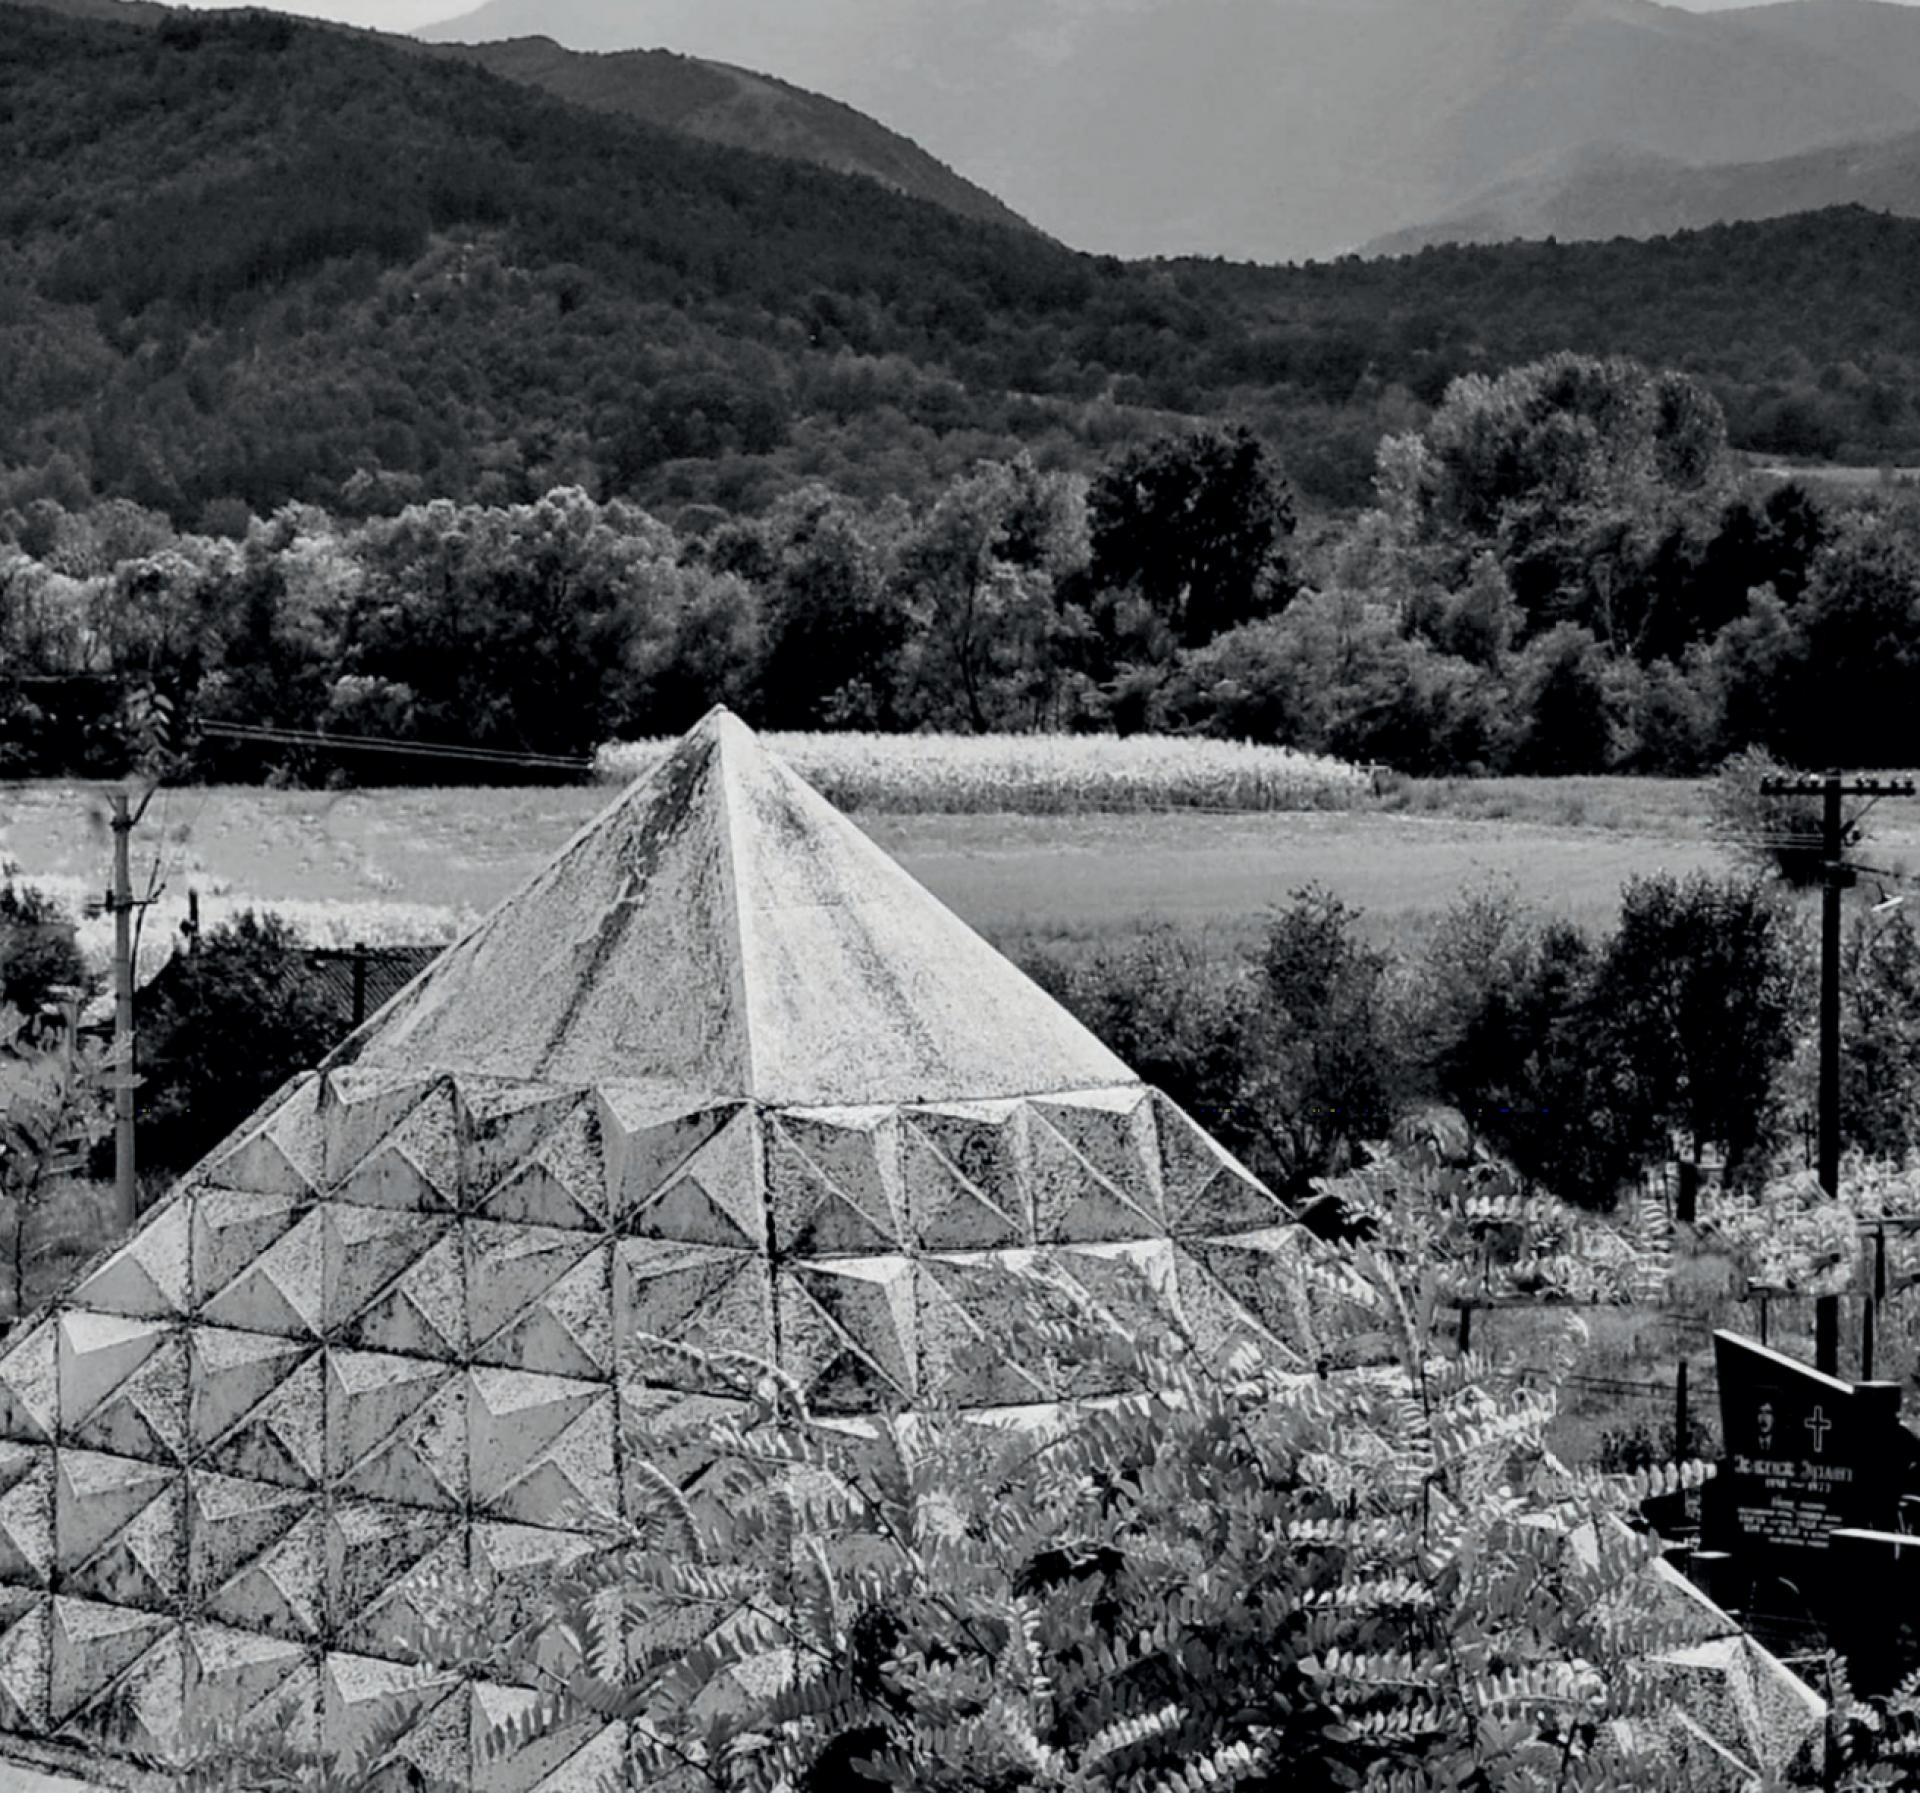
[693,1177]
[26,1514]
[673,1302]
[386,1341]
[833,1184]
[150,1277]
[562,1180]
[849,1332]
[440,1309]
[539,1298]
[965,1176]
[541,1447]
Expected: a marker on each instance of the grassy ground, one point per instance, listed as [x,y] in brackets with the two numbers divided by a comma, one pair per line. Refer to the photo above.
[1566,845]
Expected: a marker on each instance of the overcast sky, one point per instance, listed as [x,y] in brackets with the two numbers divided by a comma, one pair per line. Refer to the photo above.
[408,15]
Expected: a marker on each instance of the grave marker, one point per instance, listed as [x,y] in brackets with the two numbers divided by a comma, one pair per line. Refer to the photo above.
[1874,1607]
[1806,1454]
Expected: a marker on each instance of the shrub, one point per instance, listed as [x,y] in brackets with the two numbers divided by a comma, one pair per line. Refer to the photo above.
[221,1030]
[50,1112]
[1329,1069]
[39,953]
[1880,1035]
[1182,1015]
[1292,1060]
[1696,1006]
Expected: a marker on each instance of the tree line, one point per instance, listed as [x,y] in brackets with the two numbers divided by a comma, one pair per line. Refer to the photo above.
[1563,571]
[247,264]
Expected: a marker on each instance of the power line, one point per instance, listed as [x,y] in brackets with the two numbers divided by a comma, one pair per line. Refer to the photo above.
[301,737]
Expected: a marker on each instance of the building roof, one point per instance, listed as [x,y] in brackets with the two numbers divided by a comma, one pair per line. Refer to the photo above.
[390,969]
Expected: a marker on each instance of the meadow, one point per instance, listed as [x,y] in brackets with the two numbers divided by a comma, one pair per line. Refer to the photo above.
[407,865]
[1031,839]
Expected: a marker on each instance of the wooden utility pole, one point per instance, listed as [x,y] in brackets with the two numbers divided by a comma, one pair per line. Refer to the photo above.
[125,1077]
[1836,877]
[125,1196]
[1875,1301]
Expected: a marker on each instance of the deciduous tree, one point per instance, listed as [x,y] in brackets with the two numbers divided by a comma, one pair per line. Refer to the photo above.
[1698,995]
[1199,525]
[224,1028]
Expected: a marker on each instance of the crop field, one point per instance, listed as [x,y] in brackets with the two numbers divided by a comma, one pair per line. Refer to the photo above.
[1040,774]
[390,866]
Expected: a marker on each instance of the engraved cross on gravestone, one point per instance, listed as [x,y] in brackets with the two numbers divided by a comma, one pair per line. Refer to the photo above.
[1806,1453]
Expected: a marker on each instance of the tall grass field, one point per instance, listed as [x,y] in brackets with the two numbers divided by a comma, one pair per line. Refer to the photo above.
[1040,774]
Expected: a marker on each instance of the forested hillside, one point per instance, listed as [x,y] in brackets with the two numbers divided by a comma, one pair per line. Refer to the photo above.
[246,261]
[721,104]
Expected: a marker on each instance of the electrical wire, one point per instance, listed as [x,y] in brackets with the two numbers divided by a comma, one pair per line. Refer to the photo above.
[299,737]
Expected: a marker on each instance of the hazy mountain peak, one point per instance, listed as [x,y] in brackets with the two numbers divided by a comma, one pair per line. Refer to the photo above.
[1275,129]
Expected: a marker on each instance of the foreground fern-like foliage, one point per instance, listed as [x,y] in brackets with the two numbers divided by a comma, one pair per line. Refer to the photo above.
[1228,1576]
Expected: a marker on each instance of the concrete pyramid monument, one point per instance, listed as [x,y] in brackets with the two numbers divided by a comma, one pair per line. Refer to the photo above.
[721,1075]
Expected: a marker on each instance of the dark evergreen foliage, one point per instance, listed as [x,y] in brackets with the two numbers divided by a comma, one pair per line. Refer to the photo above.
[39,954]
[1197,524]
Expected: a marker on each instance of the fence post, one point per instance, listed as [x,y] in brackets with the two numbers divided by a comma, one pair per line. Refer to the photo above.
[1826,1334]
[1870,1308]
[1686,1200]
[359,982]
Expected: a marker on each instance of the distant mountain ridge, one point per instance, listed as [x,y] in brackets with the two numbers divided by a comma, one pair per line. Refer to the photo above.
[710,101]
[250,262]
[1603,193]
[1875,35]
[718,103]
[1282,129]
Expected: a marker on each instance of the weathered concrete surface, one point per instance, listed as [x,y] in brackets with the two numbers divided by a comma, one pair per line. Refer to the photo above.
[721,930]
[25,1780]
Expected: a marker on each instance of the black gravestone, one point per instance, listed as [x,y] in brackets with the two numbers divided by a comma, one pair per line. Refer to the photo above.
[1806,1454]
[1875,1619]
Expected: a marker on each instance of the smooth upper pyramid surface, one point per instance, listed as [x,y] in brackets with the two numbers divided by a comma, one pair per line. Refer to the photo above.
[722,932]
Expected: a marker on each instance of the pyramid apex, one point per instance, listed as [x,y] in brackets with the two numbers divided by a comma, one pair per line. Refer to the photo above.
[722,931]
[720,724]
